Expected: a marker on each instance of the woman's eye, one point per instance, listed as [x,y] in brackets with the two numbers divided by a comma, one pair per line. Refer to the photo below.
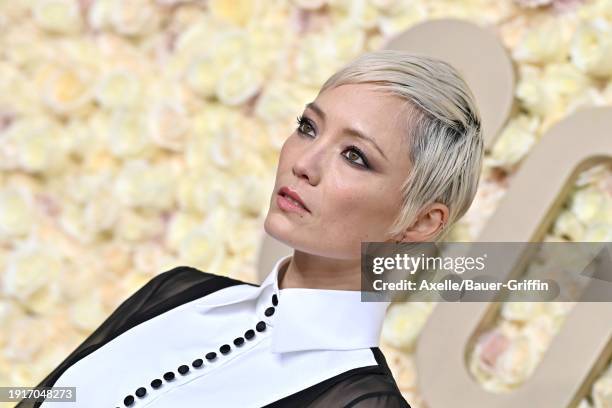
[303,125]
[301,122]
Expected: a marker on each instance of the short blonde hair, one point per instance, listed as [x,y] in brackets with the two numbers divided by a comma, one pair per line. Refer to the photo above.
[446,143]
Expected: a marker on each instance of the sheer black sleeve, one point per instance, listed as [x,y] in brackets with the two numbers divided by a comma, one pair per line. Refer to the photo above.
[162,293]
[362,387]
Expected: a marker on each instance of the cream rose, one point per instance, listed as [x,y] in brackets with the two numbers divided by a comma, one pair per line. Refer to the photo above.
[60,16]
[404,322]
[118,88]
[141,184]
[16,206]
[591,47]
[545,42]
[586,203]
[516,140]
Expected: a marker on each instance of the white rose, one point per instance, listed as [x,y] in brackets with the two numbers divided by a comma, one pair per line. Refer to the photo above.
[203,249]
[65,89]
[101,213]
[586,203]
[168,124]
[568,225]
[515,142]
[118,88]
[235,12]
[239,82]
[126,133]
[60,16]
[309,4]
[407,15]
[404,322]
[602,393]
[598,233]
[545,42]
[520,311]
[149,258]
[146,185]
[136,225]
[16,206]
[72,222]
[134,17]
[181,224]
[533,93]
[87,312]
[517,362]
[591,47]
[31,267]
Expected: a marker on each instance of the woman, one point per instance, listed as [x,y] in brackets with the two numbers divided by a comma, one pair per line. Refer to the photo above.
[389,151]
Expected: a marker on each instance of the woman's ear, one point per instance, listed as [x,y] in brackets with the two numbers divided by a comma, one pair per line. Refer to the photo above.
[427,225]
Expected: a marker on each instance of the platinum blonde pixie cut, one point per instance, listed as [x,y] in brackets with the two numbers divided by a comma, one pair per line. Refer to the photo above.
[446,146]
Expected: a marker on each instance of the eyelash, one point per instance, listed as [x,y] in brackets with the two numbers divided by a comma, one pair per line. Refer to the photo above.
[302,121]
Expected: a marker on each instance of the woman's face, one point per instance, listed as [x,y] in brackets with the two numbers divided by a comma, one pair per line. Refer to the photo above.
[351,186]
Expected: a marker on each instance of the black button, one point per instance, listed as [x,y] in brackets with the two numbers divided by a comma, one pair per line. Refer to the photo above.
[261,326]
[169,376]
[156,383]
[211,355]
[141,392]
[269,311]
[238,341]
[197,363]
[274,299]
[183,369]
[249,334]
[224,349]
[129,400]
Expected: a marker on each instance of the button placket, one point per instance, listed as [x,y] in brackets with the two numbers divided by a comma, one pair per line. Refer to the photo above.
[211,356]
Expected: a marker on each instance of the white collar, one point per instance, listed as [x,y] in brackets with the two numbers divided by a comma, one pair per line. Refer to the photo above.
[312,319]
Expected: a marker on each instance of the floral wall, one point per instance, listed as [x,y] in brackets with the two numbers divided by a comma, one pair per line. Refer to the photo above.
[139,135]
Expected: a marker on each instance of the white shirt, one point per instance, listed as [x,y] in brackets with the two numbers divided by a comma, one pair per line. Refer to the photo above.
[312,335]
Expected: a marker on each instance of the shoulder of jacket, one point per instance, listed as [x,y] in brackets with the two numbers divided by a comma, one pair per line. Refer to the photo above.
[191,275]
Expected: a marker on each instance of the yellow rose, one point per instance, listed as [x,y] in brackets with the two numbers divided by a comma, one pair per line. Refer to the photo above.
[516,140]
[591,47]
[60,16]
[404,322]
[16,207]
[404,16]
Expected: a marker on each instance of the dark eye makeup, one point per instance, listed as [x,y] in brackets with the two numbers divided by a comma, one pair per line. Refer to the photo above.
[304,121]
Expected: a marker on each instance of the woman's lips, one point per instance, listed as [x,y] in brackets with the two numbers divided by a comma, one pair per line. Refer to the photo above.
[288,204]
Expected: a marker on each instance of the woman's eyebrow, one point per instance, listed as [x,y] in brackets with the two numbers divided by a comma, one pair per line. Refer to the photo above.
[353,132]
